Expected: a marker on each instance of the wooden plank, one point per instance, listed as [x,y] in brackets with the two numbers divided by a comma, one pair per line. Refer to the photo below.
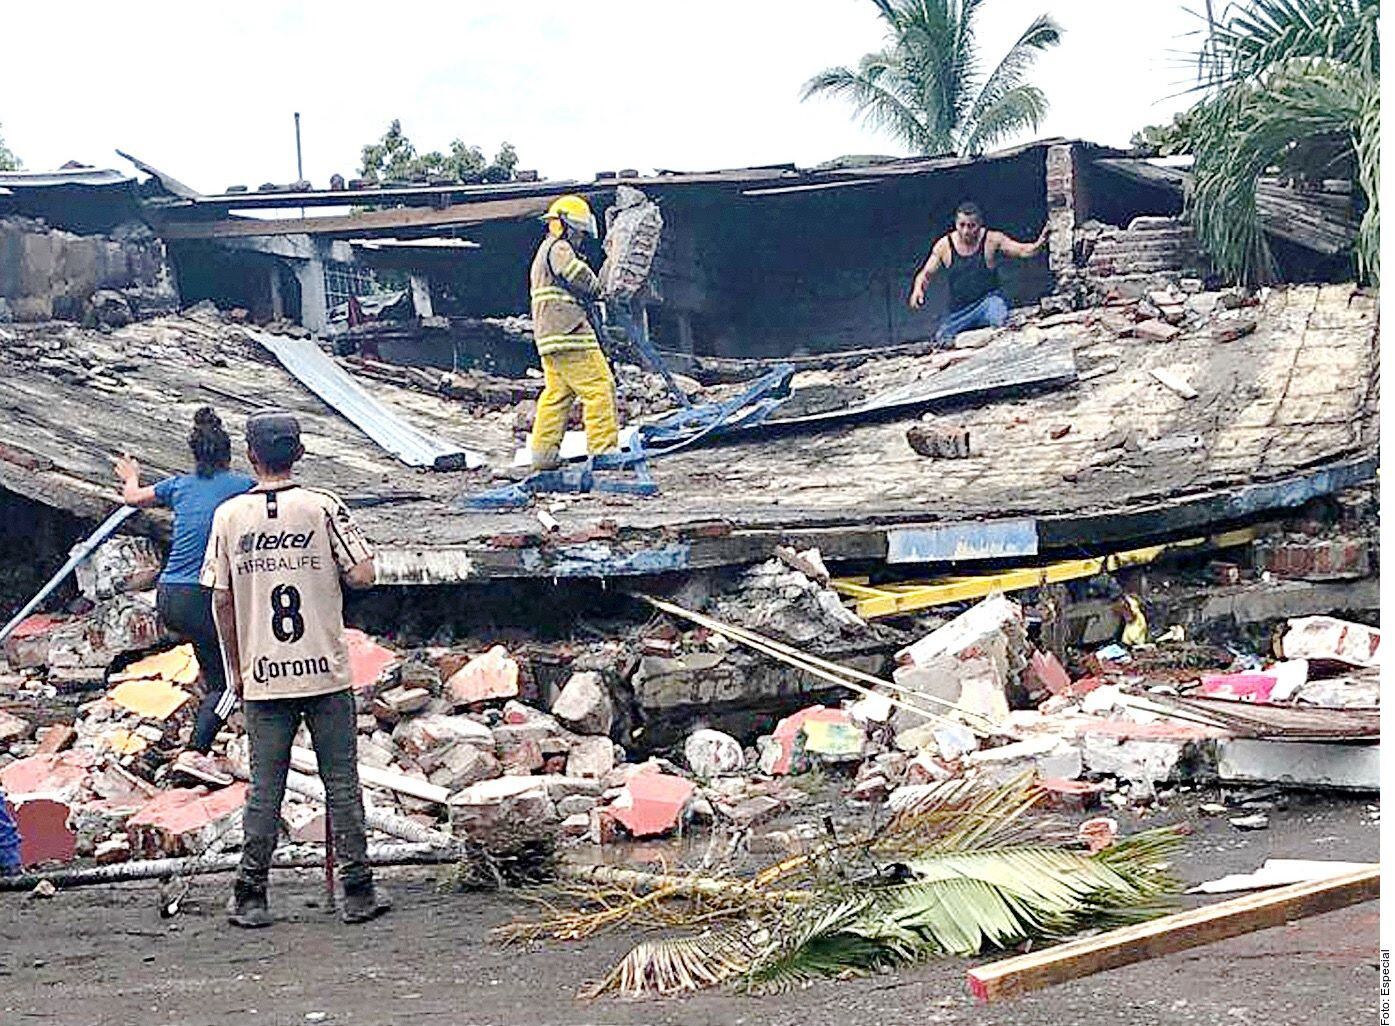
[303,759]
[1177,932]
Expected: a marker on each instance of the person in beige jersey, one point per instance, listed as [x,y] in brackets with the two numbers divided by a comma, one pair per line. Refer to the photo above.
[275,561]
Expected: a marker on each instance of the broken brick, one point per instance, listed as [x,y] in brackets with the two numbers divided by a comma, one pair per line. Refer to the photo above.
[54,739]
[44,835]
[520,756]
[13,728]
[585,705]
[1333,559]
[651,804]
[1231,330]
[27,647]
[486,677]
[1074,795]
[1045,672]
[184,821]
[938,442]
[1155,331]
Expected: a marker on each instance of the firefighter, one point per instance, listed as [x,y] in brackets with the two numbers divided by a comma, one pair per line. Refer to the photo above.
[561,286]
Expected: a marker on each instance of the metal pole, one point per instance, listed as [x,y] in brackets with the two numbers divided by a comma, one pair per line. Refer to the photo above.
[299,166]
[329,859]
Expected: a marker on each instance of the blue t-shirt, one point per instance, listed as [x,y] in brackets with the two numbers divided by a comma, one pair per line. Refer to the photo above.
[193,500]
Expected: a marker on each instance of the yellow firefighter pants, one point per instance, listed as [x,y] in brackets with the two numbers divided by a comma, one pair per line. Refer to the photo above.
[575,374]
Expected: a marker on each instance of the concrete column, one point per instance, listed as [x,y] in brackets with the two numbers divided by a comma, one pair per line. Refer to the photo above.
[421,295]
[684,342]
[314,304]
[278,307]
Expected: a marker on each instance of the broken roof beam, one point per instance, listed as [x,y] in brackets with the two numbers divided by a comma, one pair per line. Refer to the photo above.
[1310,222]
[363,222]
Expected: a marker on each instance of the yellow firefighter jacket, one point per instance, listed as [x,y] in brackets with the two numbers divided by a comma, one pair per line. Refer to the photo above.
[559,319]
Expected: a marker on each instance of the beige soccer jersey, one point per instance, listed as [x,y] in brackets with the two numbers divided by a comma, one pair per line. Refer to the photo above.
[280,551]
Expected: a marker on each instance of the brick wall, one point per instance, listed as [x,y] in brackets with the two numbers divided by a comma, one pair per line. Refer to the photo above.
[1093,261]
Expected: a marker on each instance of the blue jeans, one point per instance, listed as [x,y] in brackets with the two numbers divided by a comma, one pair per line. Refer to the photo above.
[989,312]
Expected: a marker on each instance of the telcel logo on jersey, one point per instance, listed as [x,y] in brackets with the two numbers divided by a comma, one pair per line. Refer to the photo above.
[260,541]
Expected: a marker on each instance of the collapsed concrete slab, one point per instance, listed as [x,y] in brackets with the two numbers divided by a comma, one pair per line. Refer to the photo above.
[1322,766]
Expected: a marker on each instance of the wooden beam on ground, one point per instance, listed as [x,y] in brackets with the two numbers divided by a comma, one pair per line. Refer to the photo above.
[303,759]
[1177,932]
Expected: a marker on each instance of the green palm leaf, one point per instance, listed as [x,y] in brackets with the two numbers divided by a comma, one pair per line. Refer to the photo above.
[928,76]
[963,891]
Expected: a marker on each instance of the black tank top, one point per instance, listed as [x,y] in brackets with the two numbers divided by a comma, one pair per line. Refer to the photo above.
[970,277]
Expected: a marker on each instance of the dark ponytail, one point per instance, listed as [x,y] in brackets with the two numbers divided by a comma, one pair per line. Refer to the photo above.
[210,444]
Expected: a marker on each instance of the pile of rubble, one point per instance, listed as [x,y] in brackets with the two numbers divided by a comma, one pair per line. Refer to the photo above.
[98,701]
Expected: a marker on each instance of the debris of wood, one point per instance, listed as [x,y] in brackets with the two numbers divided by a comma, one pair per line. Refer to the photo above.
[1178,932]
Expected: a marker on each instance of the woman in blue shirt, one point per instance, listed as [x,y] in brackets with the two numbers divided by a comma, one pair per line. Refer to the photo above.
[185,606]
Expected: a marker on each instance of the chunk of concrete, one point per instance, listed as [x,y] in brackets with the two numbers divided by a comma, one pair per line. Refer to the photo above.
[404,700]
[971,661]
[1043,756]
[434,730]
[120,564]
[711,753]
[585,705]
[1145,763]
[1306,764]
[591,757]
[483,810]
[463,764]
[185,821]
[487,677]
[1333,640]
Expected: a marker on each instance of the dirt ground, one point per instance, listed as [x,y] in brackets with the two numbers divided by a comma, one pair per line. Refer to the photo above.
[103,956]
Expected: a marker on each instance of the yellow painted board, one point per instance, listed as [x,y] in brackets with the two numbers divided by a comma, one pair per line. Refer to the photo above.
[907,596]
[153,699]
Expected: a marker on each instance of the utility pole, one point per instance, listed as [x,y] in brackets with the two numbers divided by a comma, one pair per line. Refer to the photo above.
[299,167]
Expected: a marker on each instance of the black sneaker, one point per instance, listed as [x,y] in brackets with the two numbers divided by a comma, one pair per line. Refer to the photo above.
[247,906]
[364,903]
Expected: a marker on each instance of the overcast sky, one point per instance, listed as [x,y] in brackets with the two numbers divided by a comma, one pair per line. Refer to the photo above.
[206,92]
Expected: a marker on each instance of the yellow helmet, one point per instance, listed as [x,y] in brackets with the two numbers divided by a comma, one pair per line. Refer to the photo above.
[572,210]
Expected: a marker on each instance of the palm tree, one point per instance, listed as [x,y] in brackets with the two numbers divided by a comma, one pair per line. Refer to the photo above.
[1292,85]
[926,88]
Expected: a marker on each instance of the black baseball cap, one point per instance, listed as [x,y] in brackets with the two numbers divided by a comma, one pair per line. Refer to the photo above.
[273,435]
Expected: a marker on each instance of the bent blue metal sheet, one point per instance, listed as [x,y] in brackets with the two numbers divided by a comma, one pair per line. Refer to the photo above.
[943,543]
[312,367]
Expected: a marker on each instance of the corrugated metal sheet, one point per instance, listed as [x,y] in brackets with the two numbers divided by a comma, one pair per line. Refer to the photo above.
[313,368]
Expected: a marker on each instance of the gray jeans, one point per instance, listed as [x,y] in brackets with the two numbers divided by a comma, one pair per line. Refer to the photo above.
[271,727]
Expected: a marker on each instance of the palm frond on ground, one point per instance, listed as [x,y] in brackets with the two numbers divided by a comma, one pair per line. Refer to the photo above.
[964,891]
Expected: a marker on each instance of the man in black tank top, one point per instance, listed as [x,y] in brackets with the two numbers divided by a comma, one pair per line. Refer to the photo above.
[969,256]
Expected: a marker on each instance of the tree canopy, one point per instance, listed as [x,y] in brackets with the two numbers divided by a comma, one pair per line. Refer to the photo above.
[394,158]
[926,87]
